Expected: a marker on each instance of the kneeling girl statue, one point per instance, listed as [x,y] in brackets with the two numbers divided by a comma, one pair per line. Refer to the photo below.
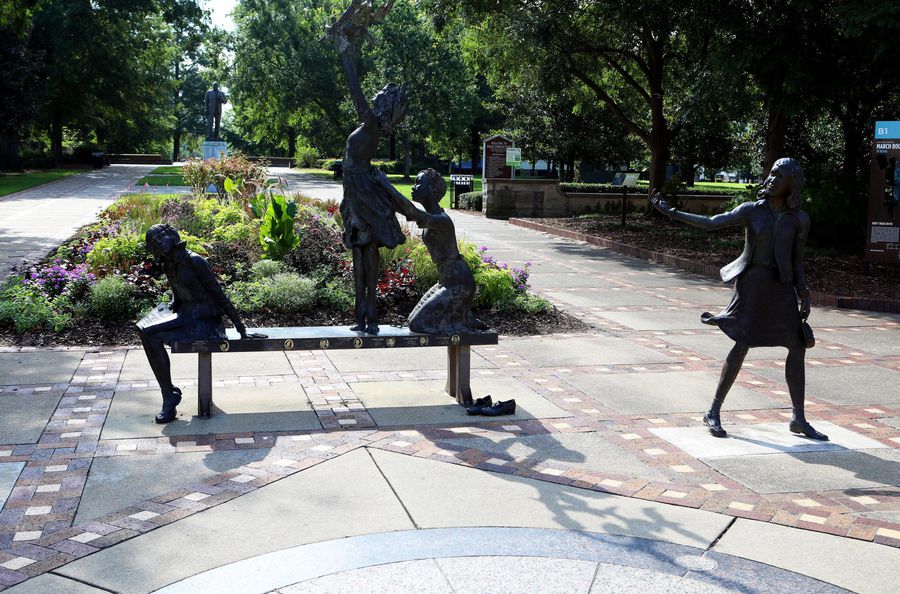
[769,280]
[194,314]
[446,308]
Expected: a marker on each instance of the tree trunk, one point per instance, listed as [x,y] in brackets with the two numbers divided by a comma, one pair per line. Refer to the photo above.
[56,137]
[176,137]
[176,144]
[775,133]
[474,148]
[292,143]
[686,172]
[392,146]
[407,158]
[9,153]
[570,169]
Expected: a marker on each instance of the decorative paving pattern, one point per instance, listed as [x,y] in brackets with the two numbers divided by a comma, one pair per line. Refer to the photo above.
[36,523]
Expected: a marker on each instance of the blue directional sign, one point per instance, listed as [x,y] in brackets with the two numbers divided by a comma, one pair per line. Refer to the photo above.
[887,130]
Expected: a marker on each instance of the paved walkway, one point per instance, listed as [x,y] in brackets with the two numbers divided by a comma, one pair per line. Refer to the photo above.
[34,221]
[334,470]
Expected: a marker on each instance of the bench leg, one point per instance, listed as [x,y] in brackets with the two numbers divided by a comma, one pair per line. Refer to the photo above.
[458,365]
[204,385]
[452,371]
[464,392]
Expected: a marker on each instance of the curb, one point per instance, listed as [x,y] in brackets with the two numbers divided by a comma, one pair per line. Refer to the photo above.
[816,297]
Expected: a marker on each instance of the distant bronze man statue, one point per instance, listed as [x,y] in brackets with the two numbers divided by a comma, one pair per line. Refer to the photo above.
[214,101]
[366,207]
[769,280]
[195,313]
[447,306]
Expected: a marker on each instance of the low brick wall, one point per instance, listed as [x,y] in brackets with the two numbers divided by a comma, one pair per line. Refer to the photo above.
[542,198]
[816,297]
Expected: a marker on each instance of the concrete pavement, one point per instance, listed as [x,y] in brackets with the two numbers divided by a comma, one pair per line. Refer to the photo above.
[34,221]
[329,472]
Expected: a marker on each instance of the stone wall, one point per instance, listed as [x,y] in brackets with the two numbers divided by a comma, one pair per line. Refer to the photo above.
[542,198]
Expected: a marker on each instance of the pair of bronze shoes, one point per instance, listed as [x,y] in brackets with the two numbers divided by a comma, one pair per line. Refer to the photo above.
[168,413]
[486,407]
[714,423]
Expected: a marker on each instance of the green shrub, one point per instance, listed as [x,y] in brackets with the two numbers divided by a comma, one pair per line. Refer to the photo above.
[422,266]
[582,188]
[288,292]
[495,286]
[26,308]
[237,233]
[112,298]
[205,210]
[179,212]
[228,214]
[135,212]
[470,201]
[247,177]
[284,292]
[336,294]
[306,156]
[120,252]
[526,303]
[276,233]
[194,243]
[266,269]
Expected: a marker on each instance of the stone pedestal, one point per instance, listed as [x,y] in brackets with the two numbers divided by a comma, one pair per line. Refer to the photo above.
[214,149]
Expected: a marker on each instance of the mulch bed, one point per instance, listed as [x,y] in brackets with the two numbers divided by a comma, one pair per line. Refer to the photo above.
[835,274]
[97,332]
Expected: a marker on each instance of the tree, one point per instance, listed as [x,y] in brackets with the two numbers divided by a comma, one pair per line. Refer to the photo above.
[443,92]
[199,46]
[284,82]
[102,71]
[638,59]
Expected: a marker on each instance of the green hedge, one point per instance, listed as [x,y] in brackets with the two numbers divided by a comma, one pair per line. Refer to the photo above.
[470,201]
[611,189]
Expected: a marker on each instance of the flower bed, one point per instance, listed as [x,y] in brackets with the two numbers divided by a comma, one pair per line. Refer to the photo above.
[280,258]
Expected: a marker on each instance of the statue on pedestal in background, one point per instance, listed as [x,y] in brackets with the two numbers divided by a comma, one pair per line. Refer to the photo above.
[214,101]
[769,281]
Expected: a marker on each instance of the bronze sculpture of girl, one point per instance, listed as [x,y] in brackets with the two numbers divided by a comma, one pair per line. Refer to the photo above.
[769,279]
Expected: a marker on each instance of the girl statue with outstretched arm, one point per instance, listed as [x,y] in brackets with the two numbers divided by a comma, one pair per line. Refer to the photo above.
[366,208]
[769,281]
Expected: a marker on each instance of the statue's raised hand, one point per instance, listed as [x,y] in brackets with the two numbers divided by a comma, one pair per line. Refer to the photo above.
[660,204]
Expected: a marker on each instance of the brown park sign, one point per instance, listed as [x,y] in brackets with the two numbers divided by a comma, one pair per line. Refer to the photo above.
[883,229]
[494,157]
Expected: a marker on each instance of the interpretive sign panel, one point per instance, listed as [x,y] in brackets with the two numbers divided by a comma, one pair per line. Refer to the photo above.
[883,237]
[513,157]
[494,158]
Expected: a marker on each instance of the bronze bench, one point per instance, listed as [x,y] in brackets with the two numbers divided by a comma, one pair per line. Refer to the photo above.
[311,338]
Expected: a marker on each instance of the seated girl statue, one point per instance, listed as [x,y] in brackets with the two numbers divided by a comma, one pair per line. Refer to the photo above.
[446,307]
[195,313]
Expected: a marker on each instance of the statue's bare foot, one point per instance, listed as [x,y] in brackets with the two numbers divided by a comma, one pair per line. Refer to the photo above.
[476,324]
[372,329]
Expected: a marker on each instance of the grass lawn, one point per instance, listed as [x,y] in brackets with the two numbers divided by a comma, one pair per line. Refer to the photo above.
[16,182]
[167,170]
[162,180]
[404,187]
[717,186]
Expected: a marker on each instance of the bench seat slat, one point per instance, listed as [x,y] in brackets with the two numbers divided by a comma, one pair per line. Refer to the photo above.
[330,337]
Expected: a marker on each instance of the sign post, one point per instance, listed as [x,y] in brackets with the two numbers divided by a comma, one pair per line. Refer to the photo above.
[883,229]
[494,158]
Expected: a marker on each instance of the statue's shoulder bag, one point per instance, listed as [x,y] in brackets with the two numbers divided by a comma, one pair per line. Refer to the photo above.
[809,339]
